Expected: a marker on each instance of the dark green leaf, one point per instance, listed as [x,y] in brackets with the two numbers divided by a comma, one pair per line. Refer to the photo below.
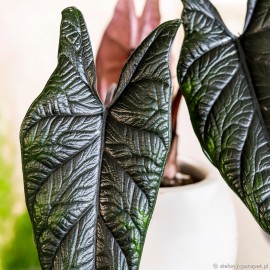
[226,99]
[257,48]
[92,173]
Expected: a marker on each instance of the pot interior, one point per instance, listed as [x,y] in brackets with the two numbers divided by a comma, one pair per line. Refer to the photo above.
[187,174]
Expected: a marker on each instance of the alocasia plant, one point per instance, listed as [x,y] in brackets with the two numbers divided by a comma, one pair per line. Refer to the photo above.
[225,82]
[92,172]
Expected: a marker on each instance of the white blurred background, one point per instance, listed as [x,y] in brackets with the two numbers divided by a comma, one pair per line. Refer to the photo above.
[28,55]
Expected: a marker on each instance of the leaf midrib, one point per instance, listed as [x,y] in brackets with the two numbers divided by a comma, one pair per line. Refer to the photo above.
[255,101]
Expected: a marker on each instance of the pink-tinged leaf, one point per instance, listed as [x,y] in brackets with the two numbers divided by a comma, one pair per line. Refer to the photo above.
[175,107]
[171,167]
[115,46]
[149,20]
[123,34]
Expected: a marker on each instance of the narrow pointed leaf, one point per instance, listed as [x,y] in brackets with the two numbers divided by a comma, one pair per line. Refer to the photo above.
[92,173]
[111,61]
[224,106]
[122,43]
[61,146]
[149,20]
[137,140]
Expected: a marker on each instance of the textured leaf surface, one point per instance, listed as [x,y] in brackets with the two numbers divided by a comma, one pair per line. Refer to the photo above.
[227,100]
[92,173]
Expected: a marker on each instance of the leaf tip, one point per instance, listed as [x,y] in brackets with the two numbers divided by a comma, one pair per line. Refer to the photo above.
[70,11]
[171,26]
[72,15]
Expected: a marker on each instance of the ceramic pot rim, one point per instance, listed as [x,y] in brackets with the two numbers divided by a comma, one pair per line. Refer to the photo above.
[200,169]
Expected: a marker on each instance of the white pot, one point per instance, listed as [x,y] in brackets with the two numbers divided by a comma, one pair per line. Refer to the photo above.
[193,227]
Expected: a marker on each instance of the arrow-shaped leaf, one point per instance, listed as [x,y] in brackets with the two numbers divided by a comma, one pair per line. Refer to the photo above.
[228,98]
[92,173]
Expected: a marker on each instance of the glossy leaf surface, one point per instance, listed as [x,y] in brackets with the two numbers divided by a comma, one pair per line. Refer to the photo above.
[228,97]
[91,172]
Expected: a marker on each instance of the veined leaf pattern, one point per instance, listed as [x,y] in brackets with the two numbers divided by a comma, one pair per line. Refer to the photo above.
[224,101]
[91,172]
